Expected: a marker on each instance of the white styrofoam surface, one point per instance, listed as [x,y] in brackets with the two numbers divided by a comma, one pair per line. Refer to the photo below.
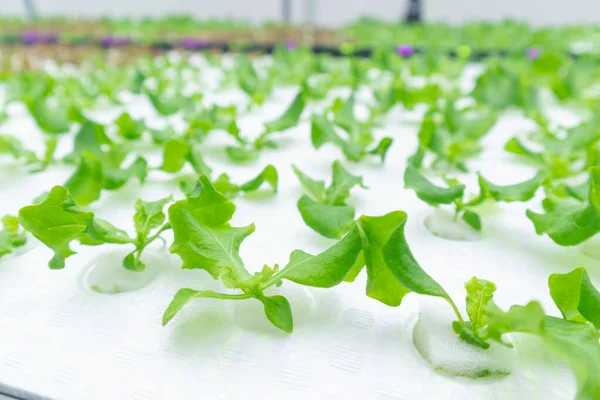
[61,340]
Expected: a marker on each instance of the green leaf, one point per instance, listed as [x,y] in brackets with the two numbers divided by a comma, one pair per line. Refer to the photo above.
[322,131]
[518,192]
[382,148]
[11,145]
[331,221]
[11,236]
[468,335]
[315,188]
[197,161]
[137,82]
[224,185]
[497,87]
[116,177]
[149,215]
[87,182]
[51,118]
[402,264]
[56,221]
[184,296]
[326,269]
[132,263]
[515,146]
[569,223]
[290,117]
[375,232]
[160,136]
[268,175]
[279,312]
[175,155]
[473,219]
[344,117]
[427,191]
[100,232]
[168,105]
[575,296]
[356,269]
[416,160]
[340,186]
[90,138]
[479,294]
[524,319]
[578,344]
[129,128]
[203,237]
[575,342]
[241,154]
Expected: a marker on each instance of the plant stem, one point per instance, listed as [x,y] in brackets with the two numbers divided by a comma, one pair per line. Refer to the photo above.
[460,318]
[150,239]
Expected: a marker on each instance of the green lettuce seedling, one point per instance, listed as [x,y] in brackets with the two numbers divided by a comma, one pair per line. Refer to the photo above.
[11,235]
[324,210]
[574,338]
[358,142]
[57,221]
[454,194]
[223,184]
[568,222]
[248,151]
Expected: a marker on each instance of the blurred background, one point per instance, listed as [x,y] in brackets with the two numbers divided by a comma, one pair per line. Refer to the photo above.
[322,12]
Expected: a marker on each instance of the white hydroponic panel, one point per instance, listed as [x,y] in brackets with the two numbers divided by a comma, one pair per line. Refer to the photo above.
[62,340]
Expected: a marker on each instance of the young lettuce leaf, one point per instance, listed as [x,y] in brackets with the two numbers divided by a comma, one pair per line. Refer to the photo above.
[575,296]
[569,223]
[11,235]
[324,210]
[57,221]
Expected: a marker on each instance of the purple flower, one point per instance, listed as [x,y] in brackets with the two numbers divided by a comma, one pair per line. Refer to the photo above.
[192,43]
[291,45]
[32,37]
[532,53]
[405,50]
[107,41]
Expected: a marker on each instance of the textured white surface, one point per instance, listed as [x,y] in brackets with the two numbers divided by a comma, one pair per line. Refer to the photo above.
[61,340]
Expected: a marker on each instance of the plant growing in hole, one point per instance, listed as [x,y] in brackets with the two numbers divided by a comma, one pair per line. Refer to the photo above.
[223,184]
[325,210]
[452,135]
[251,82]
[574,338]
[207,119]
[167,97]
[358,142]
[57,221]
[247,151]
[454,194]
[177,152]
[204,239]
[562,154]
